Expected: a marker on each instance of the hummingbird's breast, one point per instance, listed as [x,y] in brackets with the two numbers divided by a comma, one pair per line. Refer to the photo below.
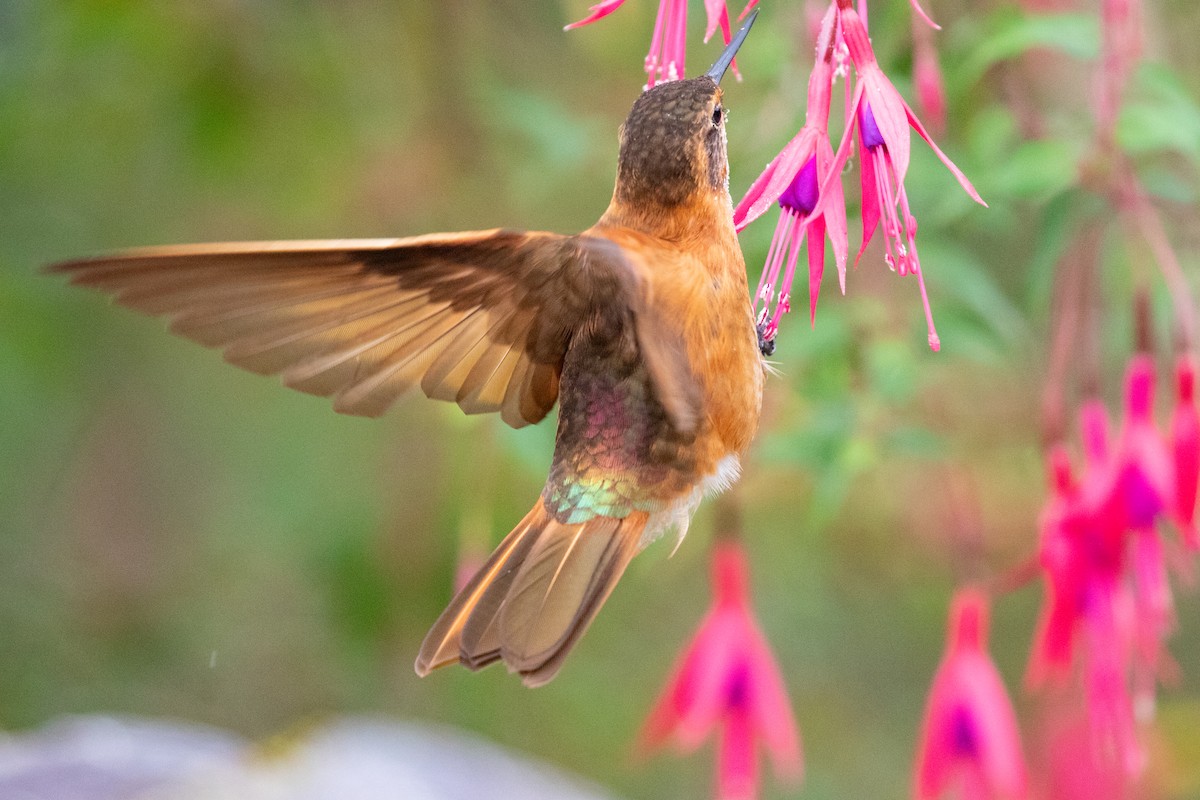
[617,450]
[707,293]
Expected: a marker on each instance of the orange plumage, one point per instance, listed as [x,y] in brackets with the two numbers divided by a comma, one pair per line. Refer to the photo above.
[640,327]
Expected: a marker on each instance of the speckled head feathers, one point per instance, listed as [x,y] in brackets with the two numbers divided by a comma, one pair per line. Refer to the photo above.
[673,144]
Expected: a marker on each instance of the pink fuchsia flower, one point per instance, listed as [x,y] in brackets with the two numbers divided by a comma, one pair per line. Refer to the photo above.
[668,43]
[1072,769]
[1093,423]
[794,179]
[970,747]
[882,119]
[1147,492]
[1154,616]
[1107,633]
[1088,608]
[1108,599]
[927,78]
[1144,469]
[727,680]
[1054,639]
[1185,449]
[1082,549]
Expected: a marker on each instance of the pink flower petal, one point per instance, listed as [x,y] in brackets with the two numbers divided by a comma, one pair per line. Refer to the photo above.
[1154,610]
[925,17]
[1110,708]
[1144,465]
[927,80]
[737,762]
[1093,420]
[728,680]
[772,712]
[1185,449]
[677,697]
[598,11]
[714,10]
[872,203]
[1054,639]
[969,737]
[1075,769]
[891,116]
[843,151]
[709,691]
[834,215]
[816,265]
[1000,762]
[776,178]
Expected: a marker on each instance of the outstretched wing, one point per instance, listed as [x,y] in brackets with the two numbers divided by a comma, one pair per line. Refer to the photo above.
[479,318]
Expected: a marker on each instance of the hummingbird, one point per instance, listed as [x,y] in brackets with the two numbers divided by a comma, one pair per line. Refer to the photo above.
[640,328]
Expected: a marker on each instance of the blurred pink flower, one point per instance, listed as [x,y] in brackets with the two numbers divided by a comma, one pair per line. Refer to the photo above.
[1054,639]
[927,78]
[727,679]
[969,744]
[793,179]
[1147,487]
[882,119]
[1185,449]
[1073,770]
[1093,423]
[1108,598]
[1088,608]
[470,560]
[1144,471]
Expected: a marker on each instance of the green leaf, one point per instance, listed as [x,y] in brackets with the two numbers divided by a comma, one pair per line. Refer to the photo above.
[1058,223]
[1160,115]
[959,275]
[1039,170]
[892,370]
[1014,33]
[916,441]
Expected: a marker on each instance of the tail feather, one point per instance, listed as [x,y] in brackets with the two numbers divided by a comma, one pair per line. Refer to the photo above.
[442,645]
[535,596]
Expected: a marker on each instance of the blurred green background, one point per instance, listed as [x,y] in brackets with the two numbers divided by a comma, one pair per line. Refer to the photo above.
[181,539]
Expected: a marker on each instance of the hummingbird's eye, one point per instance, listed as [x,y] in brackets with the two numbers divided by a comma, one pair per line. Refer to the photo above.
[718,115]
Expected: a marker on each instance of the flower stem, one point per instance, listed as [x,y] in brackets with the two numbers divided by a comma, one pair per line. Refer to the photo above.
[727,516]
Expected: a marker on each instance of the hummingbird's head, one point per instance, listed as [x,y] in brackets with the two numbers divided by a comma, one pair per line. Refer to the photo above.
[673,141]
[673,144]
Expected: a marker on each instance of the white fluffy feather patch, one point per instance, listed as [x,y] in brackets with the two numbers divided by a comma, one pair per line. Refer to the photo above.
[729,469]
[679,514]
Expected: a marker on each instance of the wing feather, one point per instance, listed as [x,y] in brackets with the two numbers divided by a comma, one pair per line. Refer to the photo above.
[481,318]
[486,388]
[445,377]
[308,332]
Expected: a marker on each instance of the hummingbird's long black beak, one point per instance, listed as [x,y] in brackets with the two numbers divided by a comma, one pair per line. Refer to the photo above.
[717,71]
